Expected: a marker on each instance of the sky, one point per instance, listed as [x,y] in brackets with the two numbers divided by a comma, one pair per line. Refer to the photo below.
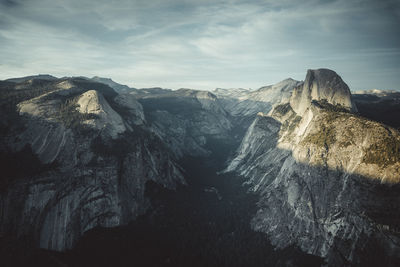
[202,44]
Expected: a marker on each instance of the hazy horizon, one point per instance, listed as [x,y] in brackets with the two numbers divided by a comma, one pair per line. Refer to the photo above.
[202,44]
[207,89]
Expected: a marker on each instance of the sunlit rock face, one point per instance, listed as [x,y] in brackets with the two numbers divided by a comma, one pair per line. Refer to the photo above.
[96,155]
[91,102]
[328,179]
[321,84]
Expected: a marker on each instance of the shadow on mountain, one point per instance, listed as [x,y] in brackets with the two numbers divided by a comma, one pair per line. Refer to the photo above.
[206,223]
[356,219]
[193,122]
[347,217]
[11,162]
[381,109]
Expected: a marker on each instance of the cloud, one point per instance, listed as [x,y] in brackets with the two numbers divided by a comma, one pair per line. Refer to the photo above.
[202,44]
[8,3]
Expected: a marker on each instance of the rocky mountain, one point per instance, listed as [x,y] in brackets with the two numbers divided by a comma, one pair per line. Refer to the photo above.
[90,152]
[379,105]
[321,84]
[33,77]
[78,154]
[327,178]
[241,102]
[243,105]
[189,121]
[119,88]
[74,155]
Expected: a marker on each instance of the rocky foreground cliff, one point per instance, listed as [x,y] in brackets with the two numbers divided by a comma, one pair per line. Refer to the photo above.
[328,179]
[75,155]
[87,152]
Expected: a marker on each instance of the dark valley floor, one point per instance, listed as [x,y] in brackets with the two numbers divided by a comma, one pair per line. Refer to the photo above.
[206,223]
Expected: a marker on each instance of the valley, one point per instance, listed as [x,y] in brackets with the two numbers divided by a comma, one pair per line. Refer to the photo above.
[205,223]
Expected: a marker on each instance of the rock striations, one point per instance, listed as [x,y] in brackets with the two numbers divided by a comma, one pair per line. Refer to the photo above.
[105,118]
[243,105]
[97,155]
[321,84]
[189,121]
[328,179]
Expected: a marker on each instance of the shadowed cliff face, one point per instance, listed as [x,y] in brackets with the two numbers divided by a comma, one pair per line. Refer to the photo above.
[187,120]
[327,180]
[95,151]
[92,161]
[204,223]
[382,106]
[328,212]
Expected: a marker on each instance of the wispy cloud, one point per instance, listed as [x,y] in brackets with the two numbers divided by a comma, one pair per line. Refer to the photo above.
[202,44]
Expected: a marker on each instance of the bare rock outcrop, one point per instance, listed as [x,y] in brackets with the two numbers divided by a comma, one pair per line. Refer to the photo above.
[321,84]
[187,120]
[242,103]
[328,179]
[94,163]
[105,119]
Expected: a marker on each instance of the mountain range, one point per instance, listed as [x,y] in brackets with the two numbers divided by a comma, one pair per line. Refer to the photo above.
[79,153]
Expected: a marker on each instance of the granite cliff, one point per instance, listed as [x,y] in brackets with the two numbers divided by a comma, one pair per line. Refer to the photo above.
[188,120]
[327,178]
[243,105]
[88,154]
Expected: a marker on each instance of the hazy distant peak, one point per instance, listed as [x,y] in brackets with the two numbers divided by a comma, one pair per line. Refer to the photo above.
[101,78]
[230,92]
[119,88]
[231,89]
[107,81]
[287,80]
[33,77]
[194,92]
[374,92]
[283,85]
[147,92]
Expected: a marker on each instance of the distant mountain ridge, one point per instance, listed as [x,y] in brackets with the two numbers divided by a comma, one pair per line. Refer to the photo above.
[119,88]
[242,102]
[188,120]
[379,105]
[39,77]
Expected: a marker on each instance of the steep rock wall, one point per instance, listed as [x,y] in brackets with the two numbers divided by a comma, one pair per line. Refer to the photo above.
[99,173]
[328,181]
